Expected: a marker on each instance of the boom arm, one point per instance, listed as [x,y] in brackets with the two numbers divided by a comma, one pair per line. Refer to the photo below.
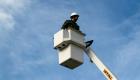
[107,73]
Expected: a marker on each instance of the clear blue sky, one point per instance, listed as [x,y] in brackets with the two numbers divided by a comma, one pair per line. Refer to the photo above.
[26,38]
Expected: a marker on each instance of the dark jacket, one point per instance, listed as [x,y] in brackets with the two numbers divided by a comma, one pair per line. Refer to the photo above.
[71,24]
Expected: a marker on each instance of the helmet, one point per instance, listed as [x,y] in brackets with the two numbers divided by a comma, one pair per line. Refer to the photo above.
[74,14]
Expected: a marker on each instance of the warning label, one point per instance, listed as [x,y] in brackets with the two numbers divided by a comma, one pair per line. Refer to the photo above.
[108,75]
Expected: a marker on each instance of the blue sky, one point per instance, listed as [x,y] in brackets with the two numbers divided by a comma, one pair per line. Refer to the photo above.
[26,38]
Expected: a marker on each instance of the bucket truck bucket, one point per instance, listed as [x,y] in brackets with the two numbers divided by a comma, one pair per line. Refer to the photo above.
[69,44]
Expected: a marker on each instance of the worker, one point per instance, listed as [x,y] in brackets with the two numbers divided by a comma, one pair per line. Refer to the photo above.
[72,22]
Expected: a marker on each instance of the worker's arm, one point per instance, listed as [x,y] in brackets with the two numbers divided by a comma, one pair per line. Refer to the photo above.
[66,24]
[70,24]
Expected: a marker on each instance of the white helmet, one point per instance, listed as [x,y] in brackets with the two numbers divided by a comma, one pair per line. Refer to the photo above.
[74,14]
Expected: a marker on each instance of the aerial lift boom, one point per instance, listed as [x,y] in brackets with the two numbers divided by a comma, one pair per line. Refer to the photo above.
[94,59]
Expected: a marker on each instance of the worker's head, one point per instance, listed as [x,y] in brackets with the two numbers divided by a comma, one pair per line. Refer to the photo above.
[74,16]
